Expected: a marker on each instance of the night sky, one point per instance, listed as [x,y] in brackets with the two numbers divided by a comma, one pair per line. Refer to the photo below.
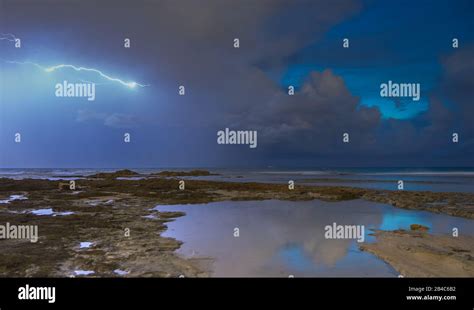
[282,43]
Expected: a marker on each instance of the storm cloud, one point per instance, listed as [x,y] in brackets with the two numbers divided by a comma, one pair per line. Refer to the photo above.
[191,44]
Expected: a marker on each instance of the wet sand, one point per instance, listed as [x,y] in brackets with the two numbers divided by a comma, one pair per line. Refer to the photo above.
[102,208]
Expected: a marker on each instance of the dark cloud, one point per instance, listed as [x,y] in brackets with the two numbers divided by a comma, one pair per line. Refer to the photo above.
[114,120]
[458,84]
[190,43]
[316,116]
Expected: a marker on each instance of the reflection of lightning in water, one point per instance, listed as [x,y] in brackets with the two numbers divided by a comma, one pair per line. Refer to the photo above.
[8,36]
[131,84]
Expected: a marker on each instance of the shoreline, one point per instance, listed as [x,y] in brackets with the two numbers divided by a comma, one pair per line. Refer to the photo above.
[103,208]
[421,254]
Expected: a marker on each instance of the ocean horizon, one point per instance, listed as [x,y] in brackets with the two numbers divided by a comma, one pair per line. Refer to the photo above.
[436,179]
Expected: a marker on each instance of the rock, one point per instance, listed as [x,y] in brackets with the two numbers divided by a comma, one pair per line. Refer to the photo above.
[419,227]
[116,174]
[193,173]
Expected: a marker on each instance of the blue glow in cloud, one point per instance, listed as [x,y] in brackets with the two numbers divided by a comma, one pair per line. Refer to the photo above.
[131,84]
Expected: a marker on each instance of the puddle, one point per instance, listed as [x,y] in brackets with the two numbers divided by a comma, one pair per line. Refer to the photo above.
[13,198]
[282,238]
[150,216]
[83,272]
[120,272]
[85,245]
[50,212]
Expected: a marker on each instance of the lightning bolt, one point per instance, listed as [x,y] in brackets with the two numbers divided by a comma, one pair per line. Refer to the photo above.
[8,36]
[130,84]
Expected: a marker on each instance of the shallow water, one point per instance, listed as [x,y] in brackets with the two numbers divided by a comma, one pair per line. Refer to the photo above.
[120,272]
[283,238]
[83,272]
[50,212]
[13,198]
[435,179]
[85,245]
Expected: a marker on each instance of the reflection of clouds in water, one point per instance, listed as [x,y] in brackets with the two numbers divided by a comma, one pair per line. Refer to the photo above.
[276,237]
[304,224]
[328,252]
[279,238]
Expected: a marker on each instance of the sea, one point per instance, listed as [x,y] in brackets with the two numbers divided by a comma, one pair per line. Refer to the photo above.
[416,179]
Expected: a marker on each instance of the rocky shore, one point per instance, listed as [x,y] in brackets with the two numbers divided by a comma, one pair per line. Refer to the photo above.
[115,217]
[416,253]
